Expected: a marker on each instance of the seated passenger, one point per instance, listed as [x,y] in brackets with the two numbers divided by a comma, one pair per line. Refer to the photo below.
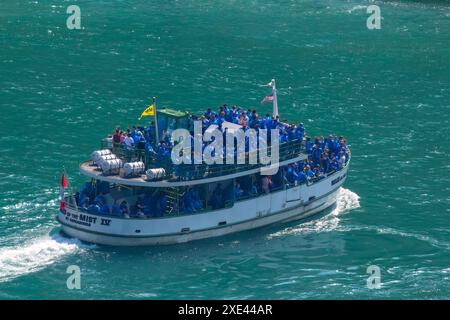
[196,199]
[341,160]
[217,201]
[161,206]
[254,189]
[238,192]
[318,172]
[291,174]
[104,209]
[85,203]
[335,164]
[93,209]
[115,210]
[309,173]
[124,209]
[188,202]
[301,177]
[100,199]
[147,204]
[266,184]
[139,207]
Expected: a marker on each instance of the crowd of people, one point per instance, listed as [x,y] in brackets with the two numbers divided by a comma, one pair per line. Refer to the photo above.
[150,205]
[92,198]
[143,138]
[190,202]
[325,155]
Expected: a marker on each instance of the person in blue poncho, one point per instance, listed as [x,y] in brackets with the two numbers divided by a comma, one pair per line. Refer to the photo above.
[124,210]
[283,136]
[238,192]
[309,173]
[308,145]
[115,210]
[301,177]
[100,199]
[93,209]
[291,132]
[291,174]
[196,199]
[318,172]
[85,203]
[104,208]
[316,153]
[300,132]
[335,163]
[161,205]
[328,167]
[188,202]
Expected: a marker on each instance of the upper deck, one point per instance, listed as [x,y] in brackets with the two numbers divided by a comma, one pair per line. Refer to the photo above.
[187,174]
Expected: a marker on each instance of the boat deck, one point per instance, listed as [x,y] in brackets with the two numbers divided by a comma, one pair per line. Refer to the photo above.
[91,170]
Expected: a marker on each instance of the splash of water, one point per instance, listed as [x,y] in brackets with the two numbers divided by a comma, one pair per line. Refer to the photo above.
[34,255]
[357,7]
[346,200]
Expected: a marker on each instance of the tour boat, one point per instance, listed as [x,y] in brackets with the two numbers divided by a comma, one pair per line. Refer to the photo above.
[136,196]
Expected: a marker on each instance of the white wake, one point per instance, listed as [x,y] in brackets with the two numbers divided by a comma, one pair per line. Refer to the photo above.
[346,200]
[34,255]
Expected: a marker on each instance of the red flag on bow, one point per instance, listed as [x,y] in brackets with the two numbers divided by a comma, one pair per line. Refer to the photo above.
[62,206]
[63,182]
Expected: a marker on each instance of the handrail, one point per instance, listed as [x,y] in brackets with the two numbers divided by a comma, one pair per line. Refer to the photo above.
[287,150]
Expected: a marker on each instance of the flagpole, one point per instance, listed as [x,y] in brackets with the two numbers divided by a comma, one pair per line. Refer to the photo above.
[156,122]
[275,99]
[74,202]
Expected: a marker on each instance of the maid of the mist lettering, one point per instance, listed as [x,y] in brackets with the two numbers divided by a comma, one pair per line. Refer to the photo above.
[374,279]
[374,20]
[74,280]
[74,20]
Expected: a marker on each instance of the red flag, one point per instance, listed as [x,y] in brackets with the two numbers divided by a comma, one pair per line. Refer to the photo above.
[63,181]
[62,206]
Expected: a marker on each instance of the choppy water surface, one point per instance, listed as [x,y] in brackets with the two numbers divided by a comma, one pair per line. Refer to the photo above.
[387,91]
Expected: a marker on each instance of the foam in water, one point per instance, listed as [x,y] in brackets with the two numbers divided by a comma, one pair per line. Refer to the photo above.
[34,255]
[355,8]
[346,200]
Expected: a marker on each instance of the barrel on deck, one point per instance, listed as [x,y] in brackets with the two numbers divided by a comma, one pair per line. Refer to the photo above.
[96,155]
[111,166]
[133,169]
[155,174]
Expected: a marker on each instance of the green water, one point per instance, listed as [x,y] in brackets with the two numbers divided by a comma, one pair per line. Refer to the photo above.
[387,91]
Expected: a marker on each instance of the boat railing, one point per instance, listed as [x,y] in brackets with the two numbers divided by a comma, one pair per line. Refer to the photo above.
[287,150]
[70,200]
[187,172]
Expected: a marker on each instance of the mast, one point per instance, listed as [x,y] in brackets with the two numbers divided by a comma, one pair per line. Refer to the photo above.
[156,122]
[275,99]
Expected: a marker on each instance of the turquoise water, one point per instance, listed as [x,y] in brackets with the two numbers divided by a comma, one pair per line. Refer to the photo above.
[387,91]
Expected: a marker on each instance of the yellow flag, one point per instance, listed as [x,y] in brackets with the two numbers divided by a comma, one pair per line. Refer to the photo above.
[150,111]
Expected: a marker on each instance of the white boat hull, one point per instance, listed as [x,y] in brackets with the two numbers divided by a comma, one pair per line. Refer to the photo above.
[286,205]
